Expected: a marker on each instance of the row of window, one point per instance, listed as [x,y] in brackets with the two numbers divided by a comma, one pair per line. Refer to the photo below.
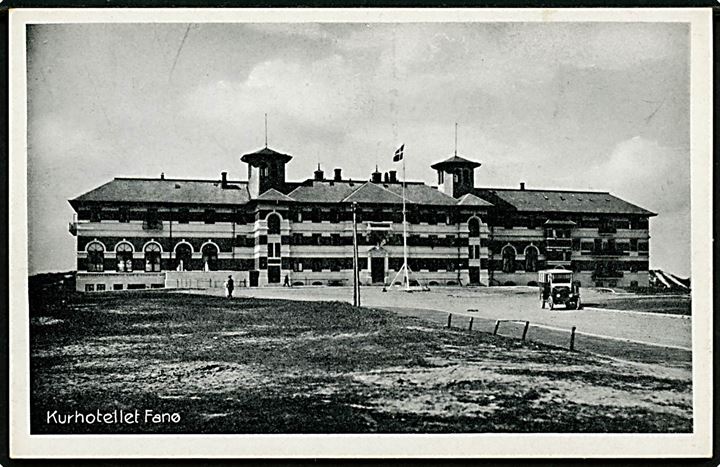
[460,175]
[152,218]
[609,246]
[509,264]
[102,287]
[95,261]
[338,264]
[603,225]
[372,238]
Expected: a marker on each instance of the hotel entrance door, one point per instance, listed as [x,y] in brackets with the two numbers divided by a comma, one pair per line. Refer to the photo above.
[377,270]
[273,274]
[474,275]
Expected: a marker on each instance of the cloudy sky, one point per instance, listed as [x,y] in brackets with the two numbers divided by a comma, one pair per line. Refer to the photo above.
[601,106]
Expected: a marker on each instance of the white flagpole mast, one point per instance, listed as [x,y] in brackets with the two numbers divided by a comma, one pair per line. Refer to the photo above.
[405,260]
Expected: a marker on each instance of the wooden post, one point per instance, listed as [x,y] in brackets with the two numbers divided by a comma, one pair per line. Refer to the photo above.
[470,325]
[572,338]
[527,325]
[356,260]
[497,325]
[449,319]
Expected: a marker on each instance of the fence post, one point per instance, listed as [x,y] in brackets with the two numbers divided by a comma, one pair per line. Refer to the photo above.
[572,338]
[497,325]
[449,320]
[527,325]
[471,323]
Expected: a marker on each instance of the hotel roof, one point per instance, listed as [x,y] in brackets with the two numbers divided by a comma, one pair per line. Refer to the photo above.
[163,190]
[456,161]
[559,201]
[472,200]
[265,154]
[326,191]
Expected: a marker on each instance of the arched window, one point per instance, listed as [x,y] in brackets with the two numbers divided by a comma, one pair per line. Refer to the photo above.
[508,259]
[95,257]
[474,227]
[183,254]
[531,258]
[123,255]
[210,257]
[273,224]
[152,257]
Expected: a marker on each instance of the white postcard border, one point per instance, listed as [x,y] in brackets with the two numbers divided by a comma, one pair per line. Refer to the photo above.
[697,444]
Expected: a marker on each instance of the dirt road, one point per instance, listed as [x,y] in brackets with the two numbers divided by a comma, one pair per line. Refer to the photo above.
[514,303]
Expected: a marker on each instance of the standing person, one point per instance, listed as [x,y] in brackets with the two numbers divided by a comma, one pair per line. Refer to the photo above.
[545,292]
[229,286]
[286,282]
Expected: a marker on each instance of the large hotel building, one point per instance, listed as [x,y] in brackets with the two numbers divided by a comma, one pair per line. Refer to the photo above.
[135,233]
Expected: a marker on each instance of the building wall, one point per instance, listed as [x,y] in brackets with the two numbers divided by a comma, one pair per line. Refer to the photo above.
[309,252]
[314,245]
[99,282]
[620,259]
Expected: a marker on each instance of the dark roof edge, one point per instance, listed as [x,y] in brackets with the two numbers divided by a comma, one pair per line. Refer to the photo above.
[610,213]
[553,190]
[159,203]
[197,180]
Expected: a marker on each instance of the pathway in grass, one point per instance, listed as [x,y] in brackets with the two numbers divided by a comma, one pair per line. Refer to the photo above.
[274,366]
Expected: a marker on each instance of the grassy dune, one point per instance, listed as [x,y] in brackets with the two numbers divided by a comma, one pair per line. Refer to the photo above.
[274,366]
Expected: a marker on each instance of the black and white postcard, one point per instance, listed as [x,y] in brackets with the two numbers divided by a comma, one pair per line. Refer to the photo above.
[360,233]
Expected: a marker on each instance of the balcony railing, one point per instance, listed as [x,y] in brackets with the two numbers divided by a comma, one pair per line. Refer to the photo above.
[558,242]
[152,225]
[607,275]
[606,252]
[558,256]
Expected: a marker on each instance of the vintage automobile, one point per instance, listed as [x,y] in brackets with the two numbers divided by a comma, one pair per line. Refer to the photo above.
[557,288]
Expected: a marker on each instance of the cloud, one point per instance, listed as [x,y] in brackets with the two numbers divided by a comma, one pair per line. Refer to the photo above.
[651,174]
[571,105]
[657,178]
[314,92]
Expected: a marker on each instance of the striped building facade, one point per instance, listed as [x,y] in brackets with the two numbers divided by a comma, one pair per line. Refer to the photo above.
[159,232]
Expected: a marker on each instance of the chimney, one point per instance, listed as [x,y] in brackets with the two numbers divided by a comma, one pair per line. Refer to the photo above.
[522,186]
[223,179]
[319,174]
[387,178]
[162,175]
[338,175]
[376,177]
[393,176]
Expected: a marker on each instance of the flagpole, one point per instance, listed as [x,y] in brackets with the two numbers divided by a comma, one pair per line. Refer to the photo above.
[405,260]
[356,259]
